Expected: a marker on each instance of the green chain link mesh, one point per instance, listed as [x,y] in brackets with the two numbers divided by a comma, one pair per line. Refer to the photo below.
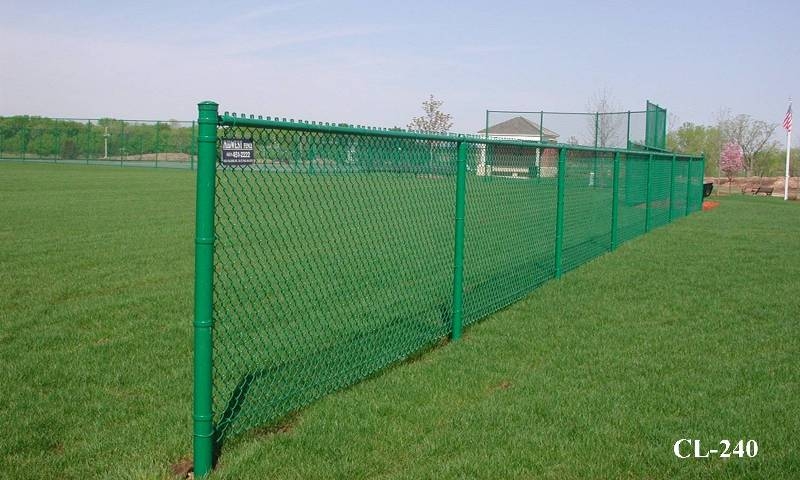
[509,225]
[696,186]
[587,207]
[680,186]
[334,251]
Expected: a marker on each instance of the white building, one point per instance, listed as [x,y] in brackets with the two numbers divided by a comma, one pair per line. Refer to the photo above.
[515,161]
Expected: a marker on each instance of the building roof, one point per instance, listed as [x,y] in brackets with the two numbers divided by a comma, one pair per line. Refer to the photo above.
[520,126]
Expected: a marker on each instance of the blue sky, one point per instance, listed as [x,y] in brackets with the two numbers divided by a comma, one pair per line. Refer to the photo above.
[371,62]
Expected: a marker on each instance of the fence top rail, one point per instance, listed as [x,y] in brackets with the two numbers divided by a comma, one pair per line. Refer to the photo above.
[82,120]
[234,120]
[566,113]
[648,148]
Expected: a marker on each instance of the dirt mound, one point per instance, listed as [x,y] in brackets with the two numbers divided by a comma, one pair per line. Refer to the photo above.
[741,185]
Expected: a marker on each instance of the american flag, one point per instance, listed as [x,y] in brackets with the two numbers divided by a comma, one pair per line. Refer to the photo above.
[787,120]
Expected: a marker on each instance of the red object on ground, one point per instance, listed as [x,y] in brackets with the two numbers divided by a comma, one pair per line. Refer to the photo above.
[709,205]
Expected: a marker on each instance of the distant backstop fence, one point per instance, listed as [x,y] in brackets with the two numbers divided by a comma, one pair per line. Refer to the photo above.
[642,129]
[103,141]
[326,252]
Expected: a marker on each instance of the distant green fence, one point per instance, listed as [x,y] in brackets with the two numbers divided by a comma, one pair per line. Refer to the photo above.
[645,129]
[325,253]
[104,141]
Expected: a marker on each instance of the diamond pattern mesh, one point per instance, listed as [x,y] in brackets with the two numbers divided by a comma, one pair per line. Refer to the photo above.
[334,247]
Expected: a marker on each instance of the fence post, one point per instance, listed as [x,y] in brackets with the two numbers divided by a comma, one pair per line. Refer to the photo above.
[628,134]
[458,257]
[562,167]
[58,143]
[615,202]
[649,192]
[702,177]
[88,141]
[158,140]
[203,436]
[540,151]
[25,138]
[688,184]
[671,185]
[192,146]
[541,126]
[596,129]
[122,145]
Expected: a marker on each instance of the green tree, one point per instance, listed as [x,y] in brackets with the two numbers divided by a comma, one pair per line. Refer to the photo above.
[697,139]
[769,162]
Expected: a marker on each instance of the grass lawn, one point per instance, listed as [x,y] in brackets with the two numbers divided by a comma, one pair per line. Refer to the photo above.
[690,331]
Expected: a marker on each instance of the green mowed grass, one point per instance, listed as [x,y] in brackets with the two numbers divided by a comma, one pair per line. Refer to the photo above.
[96,320]
[688,332]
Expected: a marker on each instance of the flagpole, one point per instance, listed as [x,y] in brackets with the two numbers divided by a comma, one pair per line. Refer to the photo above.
[788,150]
[787,124]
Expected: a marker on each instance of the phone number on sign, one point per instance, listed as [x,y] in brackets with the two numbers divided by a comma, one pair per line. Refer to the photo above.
[688,448]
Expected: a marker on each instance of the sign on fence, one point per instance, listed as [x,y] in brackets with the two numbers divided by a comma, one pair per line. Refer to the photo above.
[237,151]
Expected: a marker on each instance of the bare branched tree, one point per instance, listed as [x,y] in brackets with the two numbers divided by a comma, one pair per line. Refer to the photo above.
[434,120]
[753,136]
[606,127]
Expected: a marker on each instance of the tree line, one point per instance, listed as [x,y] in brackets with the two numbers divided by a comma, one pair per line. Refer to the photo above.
[70,139]
[761,154]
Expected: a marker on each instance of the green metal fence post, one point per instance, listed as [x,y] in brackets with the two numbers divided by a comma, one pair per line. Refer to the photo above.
[688,184]
[702,177]
[562,167]
[540,151]
[25,138]
[671,185]
[122,145]
[615,202]
[629,130]
[541,125]
[649,192]
[58,143]
[596,129]
[458,257]
[192,146]
[88,141]
[203,441]
[158,140]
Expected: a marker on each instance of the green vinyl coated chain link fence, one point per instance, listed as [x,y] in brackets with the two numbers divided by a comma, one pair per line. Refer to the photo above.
[325,253]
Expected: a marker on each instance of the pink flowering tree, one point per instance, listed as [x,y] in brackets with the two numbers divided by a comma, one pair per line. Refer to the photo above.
[731,161]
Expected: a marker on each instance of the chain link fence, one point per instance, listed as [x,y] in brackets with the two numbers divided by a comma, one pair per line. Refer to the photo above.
[642,130]
[325,253]
[129,143]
